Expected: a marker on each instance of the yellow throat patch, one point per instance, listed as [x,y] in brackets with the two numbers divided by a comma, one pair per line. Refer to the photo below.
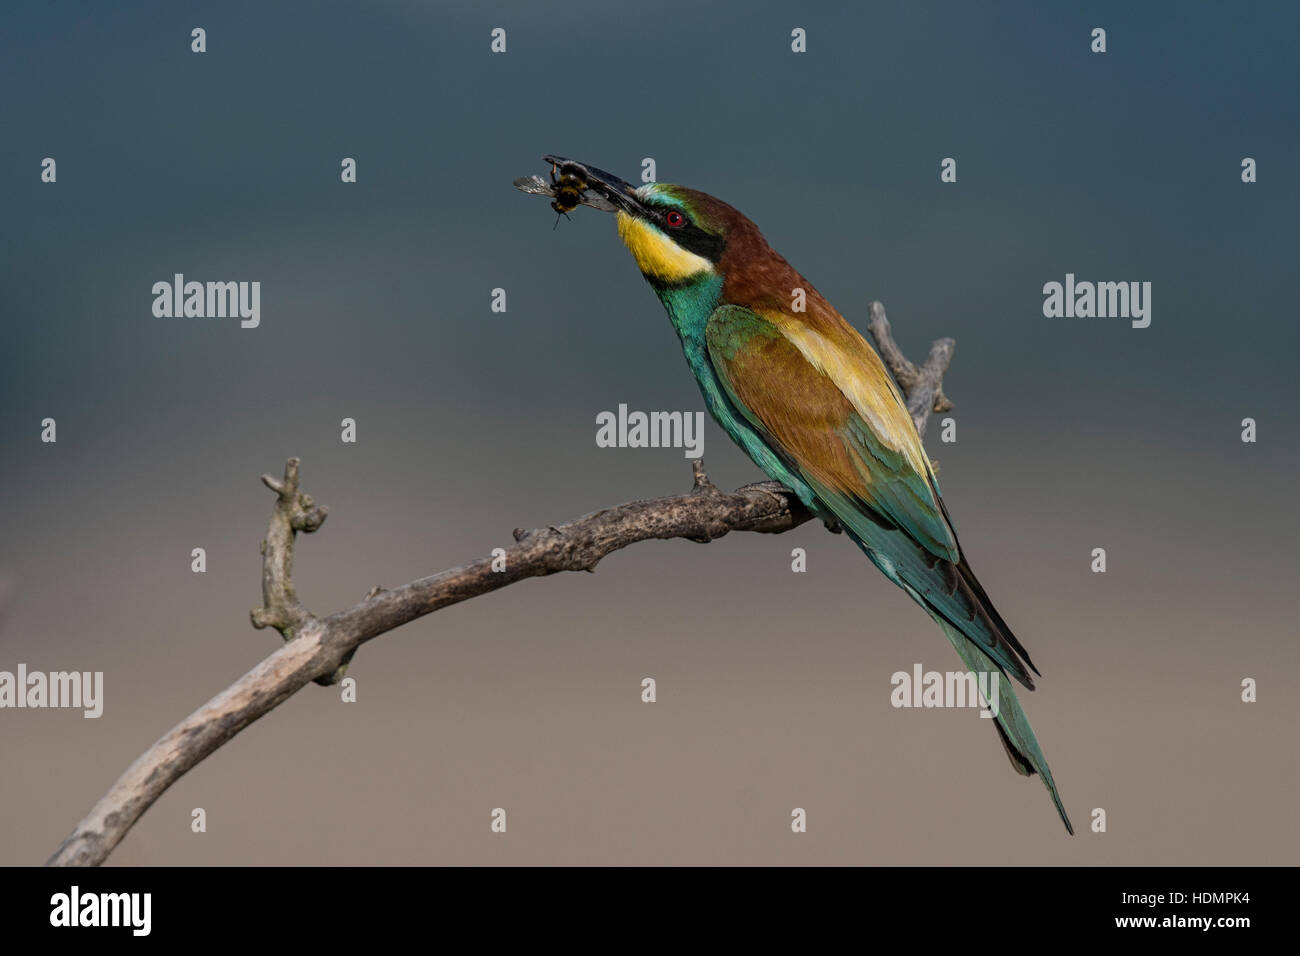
[656,254]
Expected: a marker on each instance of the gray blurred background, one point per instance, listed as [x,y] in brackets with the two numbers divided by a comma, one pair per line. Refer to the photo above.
[773,686]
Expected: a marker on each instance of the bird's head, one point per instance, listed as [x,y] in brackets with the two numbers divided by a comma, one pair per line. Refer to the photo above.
[677,235]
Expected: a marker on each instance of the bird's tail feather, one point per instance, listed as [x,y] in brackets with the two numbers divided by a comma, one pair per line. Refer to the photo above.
[1012,724]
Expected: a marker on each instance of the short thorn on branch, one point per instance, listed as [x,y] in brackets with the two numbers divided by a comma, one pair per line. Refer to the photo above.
[702,484]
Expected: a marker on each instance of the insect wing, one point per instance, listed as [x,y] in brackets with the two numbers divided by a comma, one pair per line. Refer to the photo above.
[534,185]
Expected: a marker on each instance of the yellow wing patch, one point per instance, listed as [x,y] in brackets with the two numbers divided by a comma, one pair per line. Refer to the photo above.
[656,254]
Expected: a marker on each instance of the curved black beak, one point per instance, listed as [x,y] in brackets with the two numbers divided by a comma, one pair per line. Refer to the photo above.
[617,193]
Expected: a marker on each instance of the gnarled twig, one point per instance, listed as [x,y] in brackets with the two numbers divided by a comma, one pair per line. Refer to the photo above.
[923,386]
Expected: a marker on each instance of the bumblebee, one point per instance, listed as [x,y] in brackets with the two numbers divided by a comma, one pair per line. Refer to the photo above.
[568,189]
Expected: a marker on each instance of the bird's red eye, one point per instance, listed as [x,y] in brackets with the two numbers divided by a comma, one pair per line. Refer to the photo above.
[675,219]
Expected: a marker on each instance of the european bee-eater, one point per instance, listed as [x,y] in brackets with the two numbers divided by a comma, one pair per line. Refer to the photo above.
[809,400]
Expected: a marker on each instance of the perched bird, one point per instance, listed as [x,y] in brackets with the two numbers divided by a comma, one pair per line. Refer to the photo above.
[811,403]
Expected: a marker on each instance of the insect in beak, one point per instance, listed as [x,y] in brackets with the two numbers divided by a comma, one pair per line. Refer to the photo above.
[569,188]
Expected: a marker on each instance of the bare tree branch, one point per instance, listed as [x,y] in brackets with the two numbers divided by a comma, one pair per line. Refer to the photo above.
[319,649]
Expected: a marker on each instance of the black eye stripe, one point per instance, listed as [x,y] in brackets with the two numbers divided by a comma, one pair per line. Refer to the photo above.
[694,239]
[690,236]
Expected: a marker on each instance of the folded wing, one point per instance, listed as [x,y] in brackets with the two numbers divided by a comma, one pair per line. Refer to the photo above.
[830,410]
